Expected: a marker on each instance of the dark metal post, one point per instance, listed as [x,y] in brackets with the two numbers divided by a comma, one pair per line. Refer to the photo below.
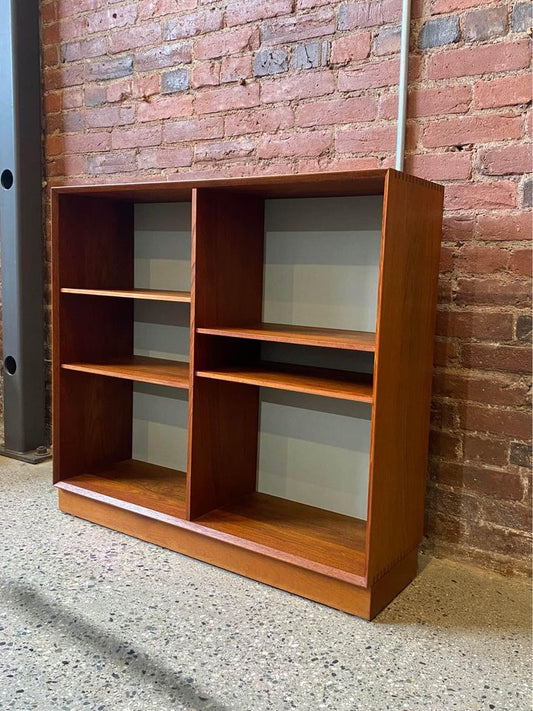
[21,228]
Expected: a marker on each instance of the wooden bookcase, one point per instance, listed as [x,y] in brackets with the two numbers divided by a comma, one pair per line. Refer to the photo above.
[278,332]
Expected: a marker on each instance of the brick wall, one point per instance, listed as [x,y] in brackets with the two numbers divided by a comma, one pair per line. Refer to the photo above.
[154,89]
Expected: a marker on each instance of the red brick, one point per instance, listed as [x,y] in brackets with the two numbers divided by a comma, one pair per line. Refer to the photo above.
[512,359]
[235,68]
[512,423]
[48,12]
[368,14]
[136,137]
[170,107]
[72,98]
[485,450]
[503,91]
[505,226]
[482,259]
[351,48]
[239,13]
[387,41]
[336,111]
[101,163]
[374,139]
[444,444]
[223,150]
[516,159]
[458,227]
[296,28]
[268,120]
[86,142]
[506,512]
[428,102]
[483,195]
[134,37]
[146,86]
[297,87]
[481,59]
[310,143]
[178,157]
[445,353]
[440,166]
[193,129]
[227,98]
[157,8]
[479,325]
[493,291]
[476,388]
[192,24]
[520,262]
[471,129]
[226,42]
[371,75]
[443,6]
[499,540]
[109,116]
[52,102]
[488,482]
[205,74]
[447,257]
[120,16]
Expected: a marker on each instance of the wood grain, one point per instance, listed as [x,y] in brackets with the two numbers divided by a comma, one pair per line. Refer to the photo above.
[135,482]
[403,369]
[148,294]
[281,376]
[142,369]
[303,335]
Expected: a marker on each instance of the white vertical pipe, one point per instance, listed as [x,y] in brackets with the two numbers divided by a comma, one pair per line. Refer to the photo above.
[402,86]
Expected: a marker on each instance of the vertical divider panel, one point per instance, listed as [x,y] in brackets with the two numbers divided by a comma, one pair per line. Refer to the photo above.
[92,247]
[227,287]
[410,250]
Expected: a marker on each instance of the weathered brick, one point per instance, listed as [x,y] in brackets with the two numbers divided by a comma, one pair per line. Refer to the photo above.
[438,32]
[235,68]
[527,193]
[444,444]
[136,137]
[175,81]
[177,157]
[104,69]
[193,129]
[375,139]
[166,108]
[267,120]
[270,61]
[295,28]
[121,162]
[505,226]
[493,291]
[485,356]
[85,142]
[480,325]
[387,41]
[516,158]
[311,143]
[495,483]
[368,13]
[238,13]
[111,19]
[227,98]
[440,166]
[458,227]
[163,56]
[369,76]
[485,23]
[520,454]
[133,37]
[109,116]
[466,61]
[476,388]
[507,422]
[336,111]
[482,259]
[310,56]
[464,130]
[192,24]
[297,87]
[504,91]
[351,48]
[227,42]
[205,74]
[522,17]
[523,328]
[486,195]
[156,8]
[485,450]
[223,150]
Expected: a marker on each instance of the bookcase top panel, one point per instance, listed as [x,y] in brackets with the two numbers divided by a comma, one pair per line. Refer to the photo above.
[333,184]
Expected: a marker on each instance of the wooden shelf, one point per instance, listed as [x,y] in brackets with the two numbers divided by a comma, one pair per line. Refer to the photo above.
[311,534]
[148,294]
[133,482]
[173,373]
[302,335]
[316,381]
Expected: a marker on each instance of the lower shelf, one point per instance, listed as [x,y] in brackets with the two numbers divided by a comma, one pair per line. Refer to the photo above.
[142,369]
[138,483]
[330,539]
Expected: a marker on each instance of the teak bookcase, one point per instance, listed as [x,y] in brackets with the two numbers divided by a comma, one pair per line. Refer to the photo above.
[360,551]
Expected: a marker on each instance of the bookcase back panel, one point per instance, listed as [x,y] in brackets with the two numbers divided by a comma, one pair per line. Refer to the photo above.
[162,246]
[314,450]
[335,358]
[159,426]
[322,261]
[161,330]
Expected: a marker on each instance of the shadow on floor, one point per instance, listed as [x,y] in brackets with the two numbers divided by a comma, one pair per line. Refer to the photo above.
[32,603]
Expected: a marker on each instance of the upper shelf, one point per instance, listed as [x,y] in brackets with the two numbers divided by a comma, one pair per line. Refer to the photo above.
[301,335]
[148,294]
[139,368]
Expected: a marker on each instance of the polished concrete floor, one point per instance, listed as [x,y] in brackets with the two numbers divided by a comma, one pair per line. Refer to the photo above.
[91,619]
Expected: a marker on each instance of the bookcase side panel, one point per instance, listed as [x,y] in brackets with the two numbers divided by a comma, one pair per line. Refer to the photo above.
[412,230]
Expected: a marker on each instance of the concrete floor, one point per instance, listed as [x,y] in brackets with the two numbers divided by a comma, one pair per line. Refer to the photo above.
[91,619]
